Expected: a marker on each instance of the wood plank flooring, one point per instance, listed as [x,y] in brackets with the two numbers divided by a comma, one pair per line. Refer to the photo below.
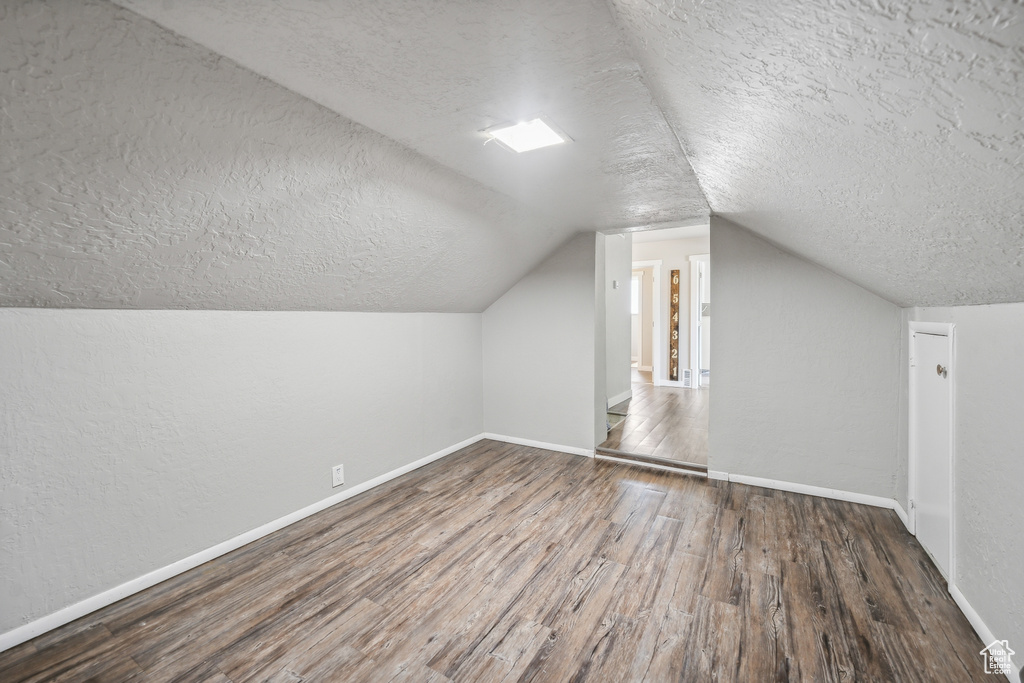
[664,422]
[507,563]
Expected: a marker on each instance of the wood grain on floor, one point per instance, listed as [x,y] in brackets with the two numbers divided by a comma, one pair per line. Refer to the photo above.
[508,563]
[663,422]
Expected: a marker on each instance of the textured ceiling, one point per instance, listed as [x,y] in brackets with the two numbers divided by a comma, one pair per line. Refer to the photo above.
[139,170]
[680,233]
[883,140]
[432,75]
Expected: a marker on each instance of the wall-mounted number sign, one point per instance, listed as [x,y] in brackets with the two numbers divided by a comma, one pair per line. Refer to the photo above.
[673,329]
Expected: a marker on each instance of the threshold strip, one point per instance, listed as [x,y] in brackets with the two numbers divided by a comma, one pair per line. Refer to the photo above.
[628,458]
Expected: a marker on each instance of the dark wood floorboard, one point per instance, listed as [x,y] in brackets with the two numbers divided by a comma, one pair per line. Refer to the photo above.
[664,422]
[508,563]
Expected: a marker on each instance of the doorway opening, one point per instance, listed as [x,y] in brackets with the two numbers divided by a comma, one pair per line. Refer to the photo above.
[637,338]
[664,422]
[700,320]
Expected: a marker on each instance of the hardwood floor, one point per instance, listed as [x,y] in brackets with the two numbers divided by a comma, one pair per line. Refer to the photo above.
[663,422]
[508,563]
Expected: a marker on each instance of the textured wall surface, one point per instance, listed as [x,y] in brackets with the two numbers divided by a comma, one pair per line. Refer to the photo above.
[140,170]
[432,75]
[539,351]
[880,139]
[133,439]
[989,467]
[806,371]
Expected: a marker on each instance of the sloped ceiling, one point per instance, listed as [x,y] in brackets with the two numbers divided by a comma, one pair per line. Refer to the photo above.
[433,75]
[883,140]
[142,170]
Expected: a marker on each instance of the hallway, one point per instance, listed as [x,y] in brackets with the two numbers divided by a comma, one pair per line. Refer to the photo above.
[662,422]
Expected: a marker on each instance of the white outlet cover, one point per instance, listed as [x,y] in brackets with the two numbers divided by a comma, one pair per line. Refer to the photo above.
[338,475]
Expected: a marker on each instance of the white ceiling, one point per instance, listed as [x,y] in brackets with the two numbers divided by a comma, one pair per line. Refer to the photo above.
[677,233]
[432,75]
[882,140]
[139,170]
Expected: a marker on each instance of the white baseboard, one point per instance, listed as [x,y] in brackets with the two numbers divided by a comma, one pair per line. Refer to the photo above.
[720,476]
[983,631]
[587,453]
[80,609]
[646,368]
[820,491]
[902,514]
[670,383]
[877,501]
[619,398]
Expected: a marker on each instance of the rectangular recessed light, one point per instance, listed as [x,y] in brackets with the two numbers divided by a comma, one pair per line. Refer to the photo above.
[523,137]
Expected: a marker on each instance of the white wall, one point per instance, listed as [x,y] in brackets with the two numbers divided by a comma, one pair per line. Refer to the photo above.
[619,268]
[989,453]
[675,255]
[598,399]
[540,342]
[807,371]
[647,318]
[133,439]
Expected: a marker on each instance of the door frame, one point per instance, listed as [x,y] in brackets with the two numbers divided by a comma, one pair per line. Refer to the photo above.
[947,330]
[695,316]
[637,276]
[656,365]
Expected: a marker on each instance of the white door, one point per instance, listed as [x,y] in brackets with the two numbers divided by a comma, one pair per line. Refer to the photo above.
[931,475]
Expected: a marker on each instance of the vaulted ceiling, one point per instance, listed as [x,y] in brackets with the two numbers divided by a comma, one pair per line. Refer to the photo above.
[882,140]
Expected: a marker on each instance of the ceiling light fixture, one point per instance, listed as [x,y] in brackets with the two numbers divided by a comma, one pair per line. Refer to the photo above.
[526,136]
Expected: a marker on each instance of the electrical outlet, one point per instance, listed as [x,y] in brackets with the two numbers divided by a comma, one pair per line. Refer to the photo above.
[338,475]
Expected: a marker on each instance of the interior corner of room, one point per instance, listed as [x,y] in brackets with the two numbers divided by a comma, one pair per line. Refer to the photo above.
[268,265]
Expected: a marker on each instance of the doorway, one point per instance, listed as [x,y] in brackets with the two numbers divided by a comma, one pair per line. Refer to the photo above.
[931,471]
[636,336]
[700,320]
[665,421]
